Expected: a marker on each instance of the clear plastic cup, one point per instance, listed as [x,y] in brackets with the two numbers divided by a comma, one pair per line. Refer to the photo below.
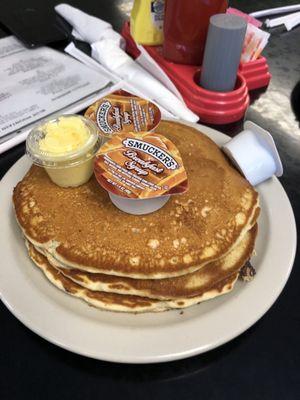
[68,168]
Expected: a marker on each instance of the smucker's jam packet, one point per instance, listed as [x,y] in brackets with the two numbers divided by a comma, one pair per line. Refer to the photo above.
[121,111]
[140,165]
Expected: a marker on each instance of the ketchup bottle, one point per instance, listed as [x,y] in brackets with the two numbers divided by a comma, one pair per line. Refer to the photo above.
[185,28]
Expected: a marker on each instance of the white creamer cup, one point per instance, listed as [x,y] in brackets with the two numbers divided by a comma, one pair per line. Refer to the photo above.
[138,206]
[254,153]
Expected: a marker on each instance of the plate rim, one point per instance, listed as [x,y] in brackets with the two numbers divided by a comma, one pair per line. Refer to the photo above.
[175,355]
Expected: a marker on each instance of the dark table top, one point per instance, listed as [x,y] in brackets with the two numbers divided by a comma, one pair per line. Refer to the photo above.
[262,363]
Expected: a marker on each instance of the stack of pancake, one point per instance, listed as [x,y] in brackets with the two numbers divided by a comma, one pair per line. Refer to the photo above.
[189,251]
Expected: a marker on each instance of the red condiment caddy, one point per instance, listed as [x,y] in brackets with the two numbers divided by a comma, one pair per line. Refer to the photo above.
[256,73]
[212,107]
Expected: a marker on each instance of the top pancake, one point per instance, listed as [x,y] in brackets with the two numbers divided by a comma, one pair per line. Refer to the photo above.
[81,228]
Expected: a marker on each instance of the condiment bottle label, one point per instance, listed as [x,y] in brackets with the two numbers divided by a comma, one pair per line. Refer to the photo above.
[123,112]
[140,166]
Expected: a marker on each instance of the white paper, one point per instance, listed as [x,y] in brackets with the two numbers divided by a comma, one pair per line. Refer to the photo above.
[90,62]
[39,82]
[271,23]
[147,62]
[19,136]
[116,60]
[292,22]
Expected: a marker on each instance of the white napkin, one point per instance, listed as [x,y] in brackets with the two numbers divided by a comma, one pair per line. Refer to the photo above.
[112,57]
[147,62]
[106,49]
[90,62]
[86,27]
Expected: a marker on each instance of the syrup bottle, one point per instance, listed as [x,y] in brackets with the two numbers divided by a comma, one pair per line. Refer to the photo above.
[185,28]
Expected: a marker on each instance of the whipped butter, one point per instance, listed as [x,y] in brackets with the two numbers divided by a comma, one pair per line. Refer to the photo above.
[65,146]
[64,135]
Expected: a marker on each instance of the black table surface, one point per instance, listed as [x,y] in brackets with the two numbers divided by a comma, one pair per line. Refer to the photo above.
[262,363]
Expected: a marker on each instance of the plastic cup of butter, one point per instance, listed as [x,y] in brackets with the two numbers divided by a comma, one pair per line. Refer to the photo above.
[65,146]
[254,153]
[138,206]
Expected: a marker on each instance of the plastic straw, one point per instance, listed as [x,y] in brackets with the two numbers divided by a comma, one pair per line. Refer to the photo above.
[274,11]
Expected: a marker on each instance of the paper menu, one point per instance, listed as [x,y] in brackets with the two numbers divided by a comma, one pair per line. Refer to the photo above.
[36,83]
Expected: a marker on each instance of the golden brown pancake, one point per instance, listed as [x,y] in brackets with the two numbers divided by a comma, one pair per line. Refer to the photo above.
[82,229]
[125,303]
[189,285]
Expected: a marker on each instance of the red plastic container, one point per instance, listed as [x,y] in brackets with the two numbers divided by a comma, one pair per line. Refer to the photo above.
[217,107]
[212,107]
[256,73]
[185,28]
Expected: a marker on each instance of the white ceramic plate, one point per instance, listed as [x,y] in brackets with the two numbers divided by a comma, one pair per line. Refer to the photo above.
[144,338]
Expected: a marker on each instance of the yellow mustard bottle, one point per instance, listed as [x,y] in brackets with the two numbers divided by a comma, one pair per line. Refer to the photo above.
[146,21]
